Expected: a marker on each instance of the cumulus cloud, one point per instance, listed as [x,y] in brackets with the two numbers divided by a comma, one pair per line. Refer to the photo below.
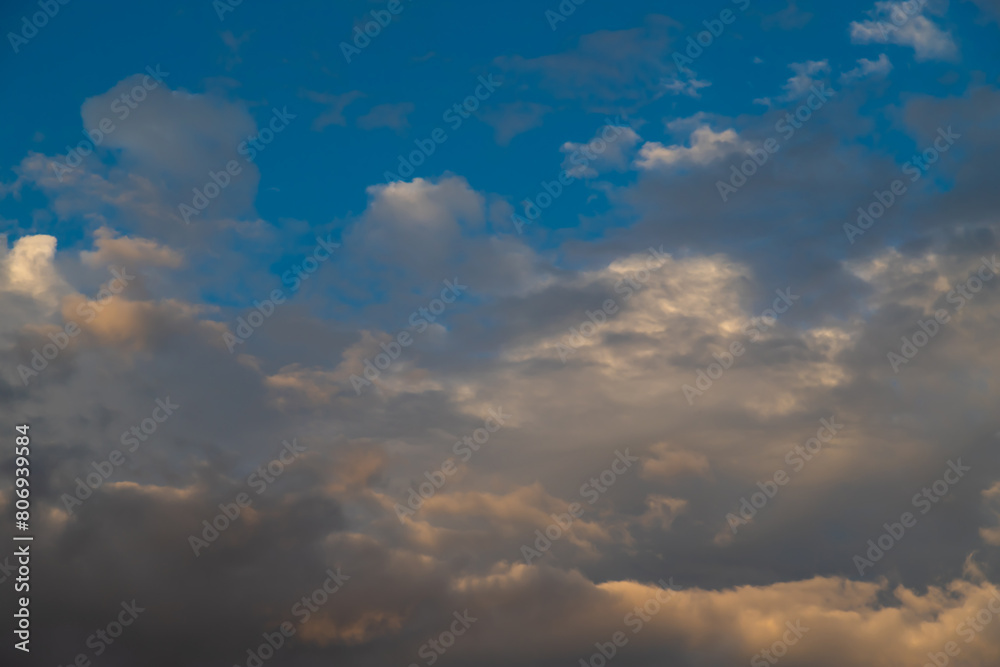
[163,150]
[905,24]
[584,338]
[134,251]
[610,149]
[461,549]
[706,146]
[28,269]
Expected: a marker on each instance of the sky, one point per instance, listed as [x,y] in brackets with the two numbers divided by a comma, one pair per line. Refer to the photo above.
[543,333]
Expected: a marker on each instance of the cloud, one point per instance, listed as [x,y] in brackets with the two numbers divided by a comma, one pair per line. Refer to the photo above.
[615,155]
[234,43]
[868,69]
[461,549]
[172,134]
[150,162]
[661,512]
[689,86]
[669,463]
[135,252]
[606,66]
[991,501]
[392,116]
[31,286]
[336,103]
[799,84]
[897,23]
[422,205]
[535,337]
[789,18]
[706,147]
[28,269]
[510,120]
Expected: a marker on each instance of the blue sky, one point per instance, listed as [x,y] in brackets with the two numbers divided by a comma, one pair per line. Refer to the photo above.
[633,270]
[426,59]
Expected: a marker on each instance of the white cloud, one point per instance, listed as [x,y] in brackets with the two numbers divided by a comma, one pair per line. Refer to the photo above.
[31,286]
[707,145]
[423,205]
[29,269]
[132,250]
[804,79]
[891,23]
[868,68]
